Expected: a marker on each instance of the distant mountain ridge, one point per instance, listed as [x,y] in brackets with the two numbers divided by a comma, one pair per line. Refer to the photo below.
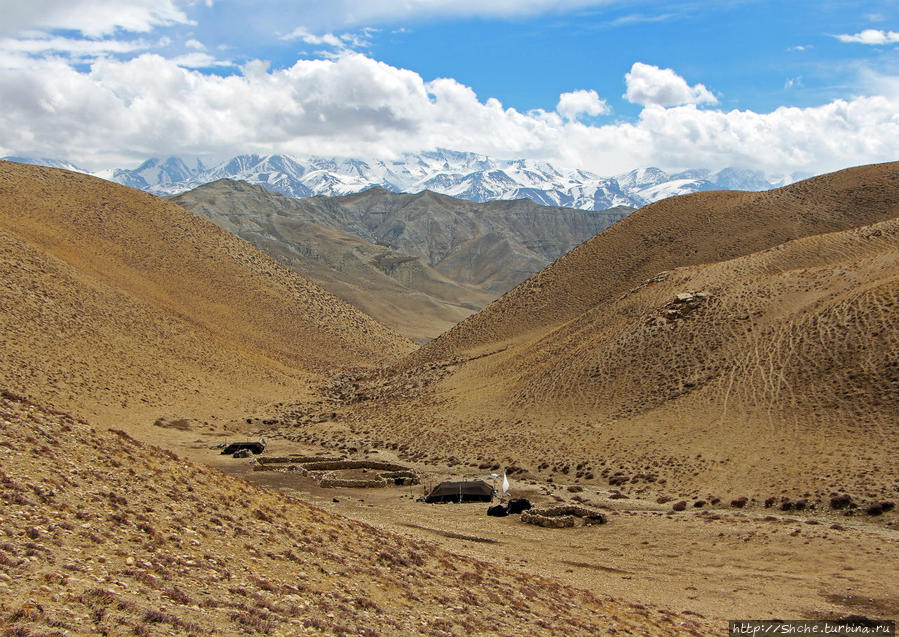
[418,263]
[464,175]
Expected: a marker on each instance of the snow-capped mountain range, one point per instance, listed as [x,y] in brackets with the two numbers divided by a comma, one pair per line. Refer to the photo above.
[459,174]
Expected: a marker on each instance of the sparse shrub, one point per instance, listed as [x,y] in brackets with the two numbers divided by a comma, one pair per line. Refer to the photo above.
[262,515]
[177,595]
[261,623]
[140,630]
[365,603]
[841,501]
[264,584]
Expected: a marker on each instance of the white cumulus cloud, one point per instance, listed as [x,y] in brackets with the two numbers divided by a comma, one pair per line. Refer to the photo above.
[93,18]
[117,112]
[365,12]
[871,36]
[303,34]
[584,102]
[647,84]
[74,46]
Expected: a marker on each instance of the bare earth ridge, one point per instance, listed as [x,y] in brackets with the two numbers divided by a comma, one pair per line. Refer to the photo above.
[118,304]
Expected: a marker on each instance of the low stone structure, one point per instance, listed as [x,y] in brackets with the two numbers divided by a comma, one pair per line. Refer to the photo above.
[290,463]
[326,471]
[336,465]
[563,516]
[338,483]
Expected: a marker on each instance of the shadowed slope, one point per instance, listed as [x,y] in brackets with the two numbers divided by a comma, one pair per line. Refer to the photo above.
[112,297]
[688,230]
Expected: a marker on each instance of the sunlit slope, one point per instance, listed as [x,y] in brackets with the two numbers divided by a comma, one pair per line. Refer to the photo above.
[89,549]
[689,230]
[774,373]
[114,301]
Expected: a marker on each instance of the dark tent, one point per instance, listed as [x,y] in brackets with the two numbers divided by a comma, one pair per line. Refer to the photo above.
[474,491]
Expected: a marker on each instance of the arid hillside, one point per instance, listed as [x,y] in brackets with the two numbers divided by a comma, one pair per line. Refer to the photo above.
[772,374]
[682,231]
[399,290]
[117,304]
[103,534]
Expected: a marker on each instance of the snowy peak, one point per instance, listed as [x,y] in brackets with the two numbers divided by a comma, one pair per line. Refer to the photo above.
[159,173]
[43,161]
[459,174]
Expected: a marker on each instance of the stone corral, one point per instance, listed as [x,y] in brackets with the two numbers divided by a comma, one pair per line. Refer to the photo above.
[327,471]
[563,516]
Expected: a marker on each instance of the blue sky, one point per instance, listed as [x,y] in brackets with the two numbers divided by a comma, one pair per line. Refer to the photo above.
[783,87]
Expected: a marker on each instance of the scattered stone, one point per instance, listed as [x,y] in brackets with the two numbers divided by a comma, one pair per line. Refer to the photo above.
[739,503]
[679,506]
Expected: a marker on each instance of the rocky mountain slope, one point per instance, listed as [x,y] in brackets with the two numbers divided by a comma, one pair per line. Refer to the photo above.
[399,290]
[711,346]
[418,263]
[116,302]
[459,174]
[493,245]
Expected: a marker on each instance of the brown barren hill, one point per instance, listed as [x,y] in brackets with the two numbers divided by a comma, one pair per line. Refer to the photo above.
[116,304]
[687,230]
[771,374]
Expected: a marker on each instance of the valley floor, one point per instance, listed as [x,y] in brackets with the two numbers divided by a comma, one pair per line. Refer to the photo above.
[714,563]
